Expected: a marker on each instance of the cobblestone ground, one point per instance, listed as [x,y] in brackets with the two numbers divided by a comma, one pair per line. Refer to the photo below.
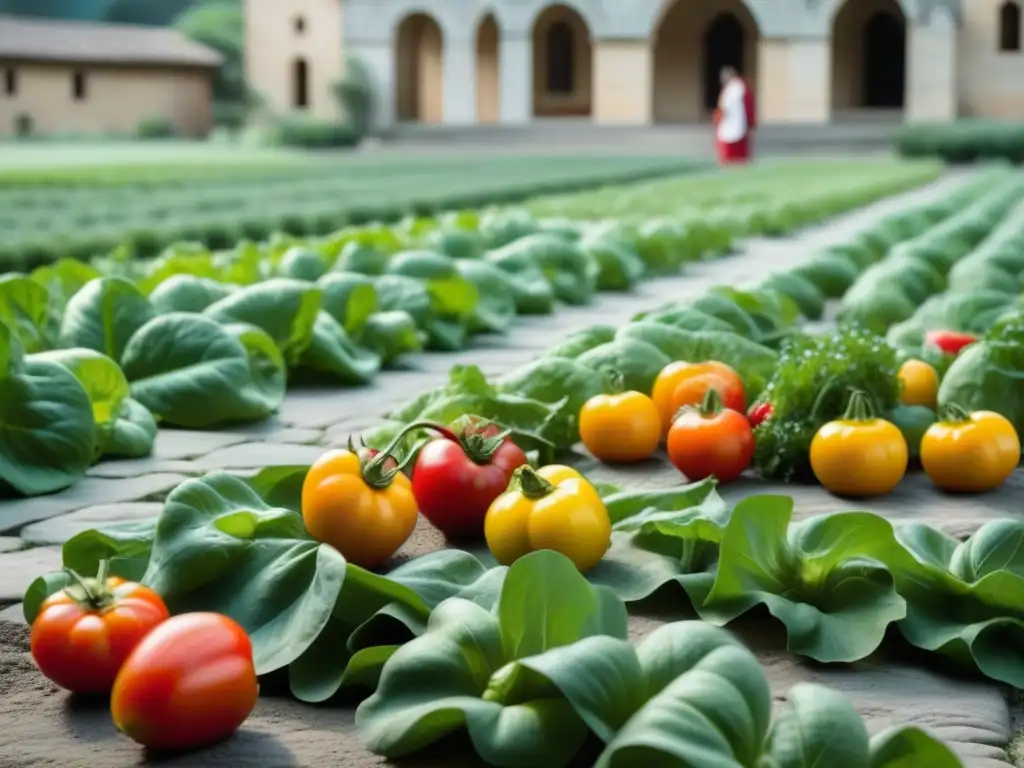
[39,728]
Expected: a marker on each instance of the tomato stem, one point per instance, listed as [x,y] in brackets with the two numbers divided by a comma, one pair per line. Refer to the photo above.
[615,381]
[92,593]
[712,404]
[526,480]
[478,447]
[374,472]
[953,413]
[859,408]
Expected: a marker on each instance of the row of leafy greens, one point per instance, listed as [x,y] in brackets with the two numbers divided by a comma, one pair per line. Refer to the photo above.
[532,661]
[204,339]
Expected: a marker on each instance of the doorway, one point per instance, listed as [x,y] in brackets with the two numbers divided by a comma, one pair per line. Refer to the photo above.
[723,46]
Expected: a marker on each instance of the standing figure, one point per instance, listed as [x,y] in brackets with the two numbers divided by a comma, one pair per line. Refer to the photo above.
[734,119]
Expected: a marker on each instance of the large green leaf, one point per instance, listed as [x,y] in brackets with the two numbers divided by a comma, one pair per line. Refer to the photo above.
[25,308]
[284,308]
[462,672]
[966,600]
[333,354]
[911,747]
[818,727]
[187,293]
[451,294]
[350,298]
[104,315]
[496,309]
[47,432]
[124,427]
[824,578]
[709,704]
[194,372]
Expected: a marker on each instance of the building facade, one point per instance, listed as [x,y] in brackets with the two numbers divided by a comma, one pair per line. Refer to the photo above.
[464,62]
[71,77]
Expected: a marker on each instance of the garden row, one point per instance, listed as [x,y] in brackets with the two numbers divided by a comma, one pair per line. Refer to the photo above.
[755,328]
[963,141]
[452,641]
[319,206]
[200,339]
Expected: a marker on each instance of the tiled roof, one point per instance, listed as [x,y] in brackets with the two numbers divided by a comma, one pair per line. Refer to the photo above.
[34,39]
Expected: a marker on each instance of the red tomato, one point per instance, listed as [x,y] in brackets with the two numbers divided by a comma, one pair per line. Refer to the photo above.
[83,634]
[456,477]
[680,384]
[758,413]
[950,342]
[191,682]
[711,441]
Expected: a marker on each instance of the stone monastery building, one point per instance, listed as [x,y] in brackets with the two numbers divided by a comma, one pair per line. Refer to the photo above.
[464,62]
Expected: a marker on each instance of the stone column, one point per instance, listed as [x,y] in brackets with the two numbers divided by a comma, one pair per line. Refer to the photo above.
[622,82]
[794,80]
[515,75]
[932,67]
[460,81]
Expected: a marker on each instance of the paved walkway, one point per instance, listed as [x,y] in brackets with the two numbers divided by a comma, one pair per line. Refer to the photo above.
[971,714]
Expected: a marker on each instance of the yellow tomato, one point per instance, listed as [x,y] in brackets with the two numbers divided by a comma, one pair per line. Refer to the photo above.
[859,455]
[970,452]
[620,428]
[919,384]
[359,506]
[553,507]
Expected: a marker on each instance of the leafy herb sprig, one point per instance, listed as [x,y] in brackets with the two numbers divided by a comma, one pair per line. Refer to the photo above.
[811,386]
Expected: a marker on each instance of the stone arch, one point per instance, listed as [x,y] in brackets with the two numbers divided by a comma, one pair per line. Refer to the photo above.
[869,56]
[1009,27]
[419,69]
[691,43]
[300,83]
[488,69]
[562,63]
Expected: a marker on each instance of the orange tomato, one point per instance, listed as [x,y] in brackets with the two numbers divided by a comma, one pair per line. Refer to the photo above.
[623,427]
[711,441]
[680,384]
[919,384]
[358,506]
[191,682]
[83,633]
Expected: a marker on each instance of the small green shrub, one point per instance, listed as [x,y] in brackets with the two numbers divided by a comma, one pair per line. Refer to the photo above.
[306,132]
[963,141]
[354,93]
[24,125]
[155,128]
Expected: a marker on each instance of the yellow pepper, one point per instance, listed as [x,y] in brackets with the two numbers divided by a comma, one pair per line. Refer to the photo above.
[553,507]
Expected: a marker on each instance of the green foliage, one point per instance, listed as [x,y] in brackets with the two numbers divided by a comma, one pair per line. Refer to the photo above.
[354,92]
[156,128]
[220,25]
[307,132]
[532,660]
[811,386]
[963,141]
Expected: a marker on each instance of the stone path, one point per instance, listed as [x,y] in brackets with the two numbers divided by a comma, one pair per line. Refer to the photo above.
[971,714]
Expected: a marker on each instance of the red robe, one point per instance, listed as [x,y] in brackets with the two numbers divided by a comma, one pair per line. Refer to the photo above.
[740,151]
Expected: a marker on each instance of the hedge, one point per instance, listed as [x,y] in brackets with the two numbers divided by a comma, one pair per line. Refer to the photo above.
[963,141]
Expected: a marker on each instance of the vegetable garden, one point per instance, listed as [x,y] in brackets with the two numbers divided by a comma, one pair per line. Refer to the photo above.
[516,634]
[44,222]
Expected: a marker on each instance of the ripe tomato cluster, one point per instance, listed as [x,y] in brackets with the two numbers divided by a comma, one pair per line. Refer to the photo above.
[175,683]
[696,408]
[469,482]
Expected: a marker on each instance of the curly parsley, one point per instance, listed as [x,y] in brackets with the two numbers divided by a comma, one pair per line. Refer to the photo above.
[811,386]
